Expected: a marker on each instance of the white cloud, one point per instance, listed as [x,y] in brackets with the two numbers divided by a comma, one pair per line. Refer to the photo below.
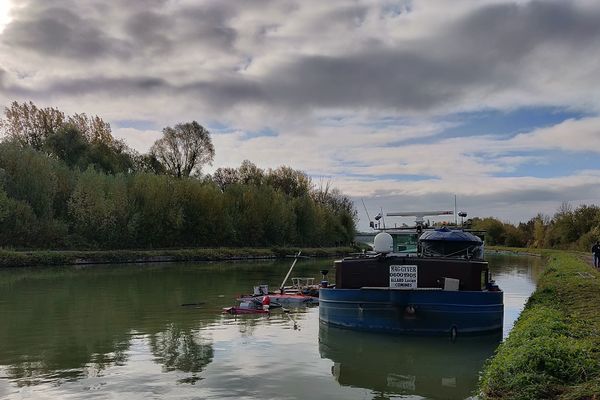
[139,140]
[571,135]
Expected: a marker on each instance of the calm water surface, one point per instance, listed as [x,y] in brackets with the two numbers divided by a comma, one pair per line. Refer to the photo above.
[120,332]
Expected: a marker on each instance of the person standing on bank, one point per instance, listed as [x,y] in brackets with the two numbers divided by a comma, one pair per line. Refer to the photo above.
[596,253]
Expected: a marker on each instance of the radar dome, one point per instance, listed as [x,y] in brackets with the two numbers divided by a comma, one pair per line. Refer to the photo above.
[384,243]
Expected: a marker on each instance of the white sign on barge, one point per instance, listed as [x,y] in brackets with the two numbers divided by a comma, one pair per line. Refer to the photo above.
[403,277]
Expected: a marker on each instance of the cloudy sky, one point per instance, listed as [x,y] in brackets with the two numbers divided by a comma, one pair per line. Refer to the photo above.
[400,103]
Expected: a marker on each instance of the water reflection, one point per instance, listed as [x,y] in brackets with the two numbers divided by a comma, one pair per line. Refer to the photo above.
[394,365]
[120,332]
[181,349]
[517,276]
[69,323]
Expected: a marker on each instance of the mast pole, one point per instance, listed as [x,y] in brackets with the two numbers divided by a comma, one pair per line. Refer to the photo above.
[455,216]
[290,270]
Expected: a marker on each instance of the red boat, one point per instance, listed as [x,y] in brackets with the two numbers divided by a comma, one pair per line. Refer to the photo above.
[285,298]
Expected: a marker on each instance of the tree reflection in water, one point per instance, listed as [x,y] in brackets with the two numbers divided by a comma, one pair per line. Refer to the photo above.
[181,349]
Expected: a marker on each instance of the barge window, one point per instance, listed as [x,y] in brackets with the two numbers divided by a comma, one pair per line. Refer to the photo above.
[406,243]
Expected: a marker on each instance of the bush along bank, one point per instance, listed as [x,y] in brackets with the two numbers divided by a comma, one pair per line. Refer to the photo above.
[11,258]
[553,351]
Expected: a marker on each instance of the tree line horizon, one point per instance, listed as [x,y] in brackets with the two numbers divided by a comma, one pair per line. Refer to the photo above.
[67,183]
[570,228]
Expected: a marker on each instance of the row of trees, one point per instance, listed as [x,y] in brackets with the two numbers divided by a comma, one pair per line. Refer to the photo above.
[570,228]
[81,141]
[66,182]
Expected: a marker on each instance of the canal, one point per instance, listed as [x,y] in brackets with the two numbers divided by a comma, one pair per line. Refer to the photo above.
[119,331]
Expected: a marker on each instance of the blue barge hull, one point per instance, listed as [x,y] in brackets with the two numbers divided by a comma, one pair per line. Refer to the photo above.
[419,312]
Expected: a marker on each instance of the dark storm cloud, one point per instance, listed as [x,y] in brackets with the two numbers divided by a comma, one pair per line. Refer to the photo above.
[59,32]
[220,92]
[113,86]
[208,25]
[150,30]
[486,49]
[128,29]
[508,32]
[380,78]
[483,53]
[188,27]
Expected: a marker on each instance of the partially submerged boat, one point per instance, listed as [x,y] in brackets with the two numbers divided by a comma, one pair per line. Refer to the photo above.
[253,306]
[242,310]
[441,287]
[302,292]
[283,297]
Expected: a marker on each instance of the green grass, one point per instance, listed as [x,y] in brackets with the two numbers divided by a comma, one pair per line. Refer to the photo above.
[553,352]
[12,258]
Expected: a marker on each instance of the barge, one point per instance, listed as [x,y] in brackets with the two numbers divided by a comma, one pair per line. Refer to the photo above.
[441,287]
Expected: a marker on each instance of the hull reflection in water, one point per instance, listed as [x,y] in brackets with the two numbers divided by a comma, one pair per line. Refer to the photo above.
[433,367]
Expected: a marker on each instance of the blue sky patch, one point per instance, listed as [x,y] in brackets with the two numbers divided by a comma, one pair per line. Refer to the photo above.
[138,124]
[552,164]
[502,124]
[396,177]
[260,133]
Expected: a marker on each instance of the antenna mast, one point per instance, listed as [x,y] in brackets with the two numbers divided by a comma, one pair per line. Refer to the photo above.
[455,215]
[366,212]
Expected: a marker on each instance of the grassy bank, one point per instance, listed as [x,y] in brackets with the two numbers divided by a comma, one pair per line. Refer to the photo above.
[11,258]
[553,352]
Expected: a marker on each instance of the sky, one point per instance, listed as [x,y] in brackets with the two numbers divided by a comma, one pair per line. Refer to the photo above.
[400,104]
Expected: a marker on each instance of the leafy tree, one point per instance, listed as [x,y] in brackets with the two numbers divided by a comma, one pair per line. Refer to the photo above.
[585,218]
[157,215]
[111,158]
[148,163]
[29,124]
[98,208]
[290,181]
[184,149]
[77,150]
[250,174]
[247,174]
[539,231]
[495,230]
[68,144]
[94,129]
[514,237]
[77,187]
[29,176]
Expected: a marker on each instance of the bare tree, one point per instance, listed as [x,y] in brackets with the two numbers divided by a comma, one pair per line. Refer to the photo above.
[224,177]
[184,149]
